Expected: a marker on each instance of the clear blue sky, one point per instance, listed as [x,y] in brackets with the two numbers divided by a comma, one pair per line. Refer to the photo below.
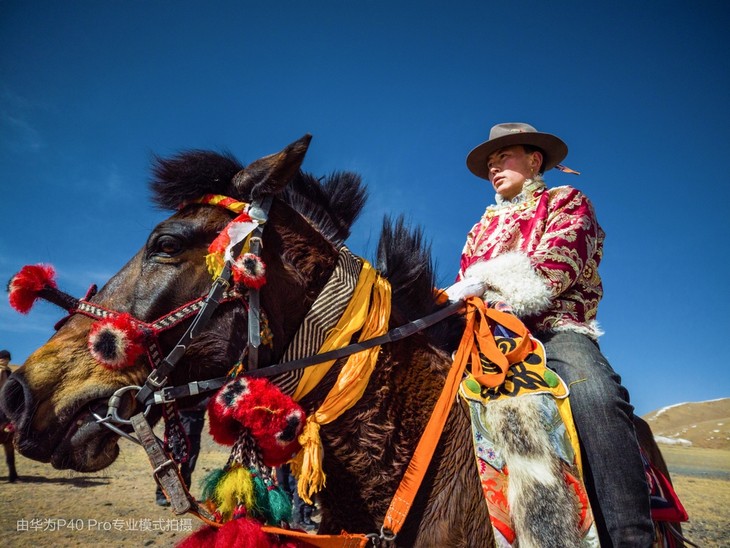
[398,91]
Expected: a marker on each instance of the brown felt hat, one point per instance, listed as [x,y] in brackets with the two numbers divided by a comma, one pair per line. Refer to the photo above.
[504,135]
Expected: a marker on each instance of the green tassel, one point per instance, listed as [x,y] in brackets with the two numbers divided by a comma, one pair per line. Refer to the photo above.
[261,498]
[280,504]
[210,482]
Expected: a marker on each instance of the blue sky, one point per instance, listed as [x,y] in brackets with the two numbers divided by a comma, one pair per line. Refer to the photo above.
[398,92]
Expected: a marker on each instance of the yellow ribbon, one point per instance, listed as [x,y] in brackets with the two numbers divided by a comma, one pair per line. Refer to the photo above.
[368,312]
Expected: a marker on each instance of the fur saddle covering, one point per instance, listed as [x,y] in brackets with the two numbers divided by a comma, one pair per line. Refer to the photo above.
[527,452]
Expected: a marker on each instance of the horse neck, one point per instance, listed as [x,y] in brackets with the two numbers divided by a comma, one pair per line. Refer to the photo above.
[367,449]
[298,263]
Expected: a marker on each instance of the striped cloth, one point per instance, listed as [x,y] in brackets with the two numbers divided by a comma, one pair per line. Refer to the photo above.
[321,318]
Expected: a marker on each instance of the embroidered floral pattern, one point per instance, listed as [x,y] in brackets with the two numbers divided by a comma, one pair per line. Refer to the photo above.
[557,229]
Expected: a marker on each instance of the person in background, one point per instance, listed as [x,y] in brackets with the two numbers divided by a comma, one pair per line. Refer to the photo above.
[6,427]
[301,511]
[538,250]
[5,358]
[193,420]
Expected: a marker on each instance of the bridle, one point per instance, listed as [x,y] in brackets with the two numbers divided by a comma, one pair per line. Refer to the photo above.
[201,311]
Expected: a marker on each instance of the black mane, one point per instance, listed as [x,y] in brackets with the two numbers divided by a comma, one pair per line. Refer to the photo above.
[405,260]
[189,175]
[332,204]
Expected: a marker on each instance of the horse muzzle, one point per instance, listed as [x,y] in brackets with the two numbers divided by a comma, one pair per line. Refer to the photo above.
[71,439]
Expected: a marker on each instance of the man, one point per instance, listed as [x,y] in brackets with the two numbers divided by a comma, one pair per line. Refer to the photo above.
[538,250]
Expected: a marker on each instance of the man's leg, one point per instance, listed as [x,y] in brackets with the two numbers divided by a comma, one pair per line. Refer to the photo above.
[603,416]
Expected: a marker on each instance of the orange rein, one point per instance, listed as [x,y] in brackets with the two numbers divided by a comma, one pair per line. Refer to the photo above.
[477,338]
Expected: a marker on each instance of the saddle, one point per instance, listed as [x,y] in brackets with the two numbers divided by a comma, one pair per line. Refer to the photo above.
[525,443]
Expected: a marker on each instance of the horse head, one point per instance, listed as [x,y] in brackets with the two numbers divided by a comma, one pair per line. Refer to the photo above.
[52,399]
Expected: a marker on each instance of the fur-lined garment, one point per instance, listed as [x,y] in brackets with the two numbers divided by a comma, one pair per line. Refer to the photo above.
[540,253]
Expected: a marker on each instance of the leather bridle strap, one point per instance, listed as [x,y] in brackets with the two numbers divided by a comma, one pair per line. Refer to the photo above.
[158,376]
[396,334]
[166,473]
[259,213]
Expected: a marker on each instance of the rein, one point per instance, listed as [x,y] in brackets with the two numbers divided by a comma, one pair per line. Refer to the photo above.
[395,334]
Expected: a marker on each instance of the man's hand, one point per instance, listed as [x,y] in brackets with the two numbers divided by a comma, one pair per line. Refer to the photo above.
[463,289]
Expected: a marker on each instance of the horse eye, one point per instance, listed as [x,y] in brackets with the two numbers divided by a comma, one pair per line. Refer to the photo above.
[167,245]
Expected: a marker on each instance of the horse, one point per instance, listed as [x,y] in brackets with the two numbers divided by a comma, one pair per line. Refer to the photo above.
[54,397]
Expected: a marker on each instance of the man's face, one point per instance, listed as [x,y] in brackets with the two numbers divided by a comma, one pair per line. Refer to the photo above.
[509,167]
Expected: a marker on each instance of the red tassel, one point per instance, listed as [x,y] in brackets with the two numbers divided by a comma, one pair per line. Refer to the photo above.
[24,287]
[223,427]
[116,342]
[274,419]
[202,538]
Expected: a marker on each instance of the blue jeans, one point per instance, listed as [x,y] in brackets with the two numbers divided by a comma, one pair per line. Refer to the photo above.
[614,472]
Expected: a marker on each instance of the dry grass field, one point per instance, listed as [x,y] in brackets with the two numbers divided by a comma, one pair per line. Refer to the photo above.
[702,480]
[115,508]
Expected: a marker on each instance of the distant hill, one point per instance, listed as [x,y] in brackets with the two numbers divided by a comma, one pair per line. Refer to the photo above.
[699,424]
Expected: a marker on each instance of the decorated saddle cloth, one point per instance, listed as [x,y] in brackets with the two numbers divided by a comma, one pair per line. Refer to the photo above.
[525,442]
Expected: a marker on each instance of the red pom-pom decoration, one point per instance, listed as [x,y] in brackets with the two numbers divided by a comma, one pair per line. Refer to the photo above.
[273,419]
[202,538]
[24,287]
[116,342]
[243,532]
[237,533]
[249,270]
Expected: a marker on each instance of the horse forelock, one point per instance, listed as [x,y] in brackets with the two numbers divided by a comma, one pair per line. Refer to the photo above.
[331,203]
[191,174]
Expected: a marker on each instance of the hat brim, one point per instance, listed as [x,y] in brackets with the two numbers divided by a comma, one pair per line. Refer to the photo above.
[553,148]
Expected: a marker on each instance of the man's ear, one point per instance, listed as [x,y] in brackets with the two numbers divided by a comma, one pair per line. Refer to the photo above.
[536,160]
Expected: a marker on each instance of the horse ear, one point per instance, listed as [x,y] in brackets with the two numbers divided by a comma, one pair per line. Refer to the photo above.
[270,174]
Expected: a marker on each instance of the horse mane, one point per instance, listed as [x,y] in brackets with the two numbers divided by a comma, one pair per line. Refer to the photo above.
[332,203]
[404,258]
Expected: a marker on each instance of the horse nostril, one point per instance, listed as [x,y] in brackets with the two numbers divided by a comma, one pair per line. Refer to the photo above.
[13,400]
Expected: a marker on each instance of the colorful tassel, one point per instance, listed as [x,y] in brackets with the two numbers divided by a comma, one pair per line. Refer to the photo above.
[280,505]
[239,492]
[25,286]
[261,497]
[273,419]
[307,465]
[235,489]
[210,482]
[220,250]
[224,427]
[116,342]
